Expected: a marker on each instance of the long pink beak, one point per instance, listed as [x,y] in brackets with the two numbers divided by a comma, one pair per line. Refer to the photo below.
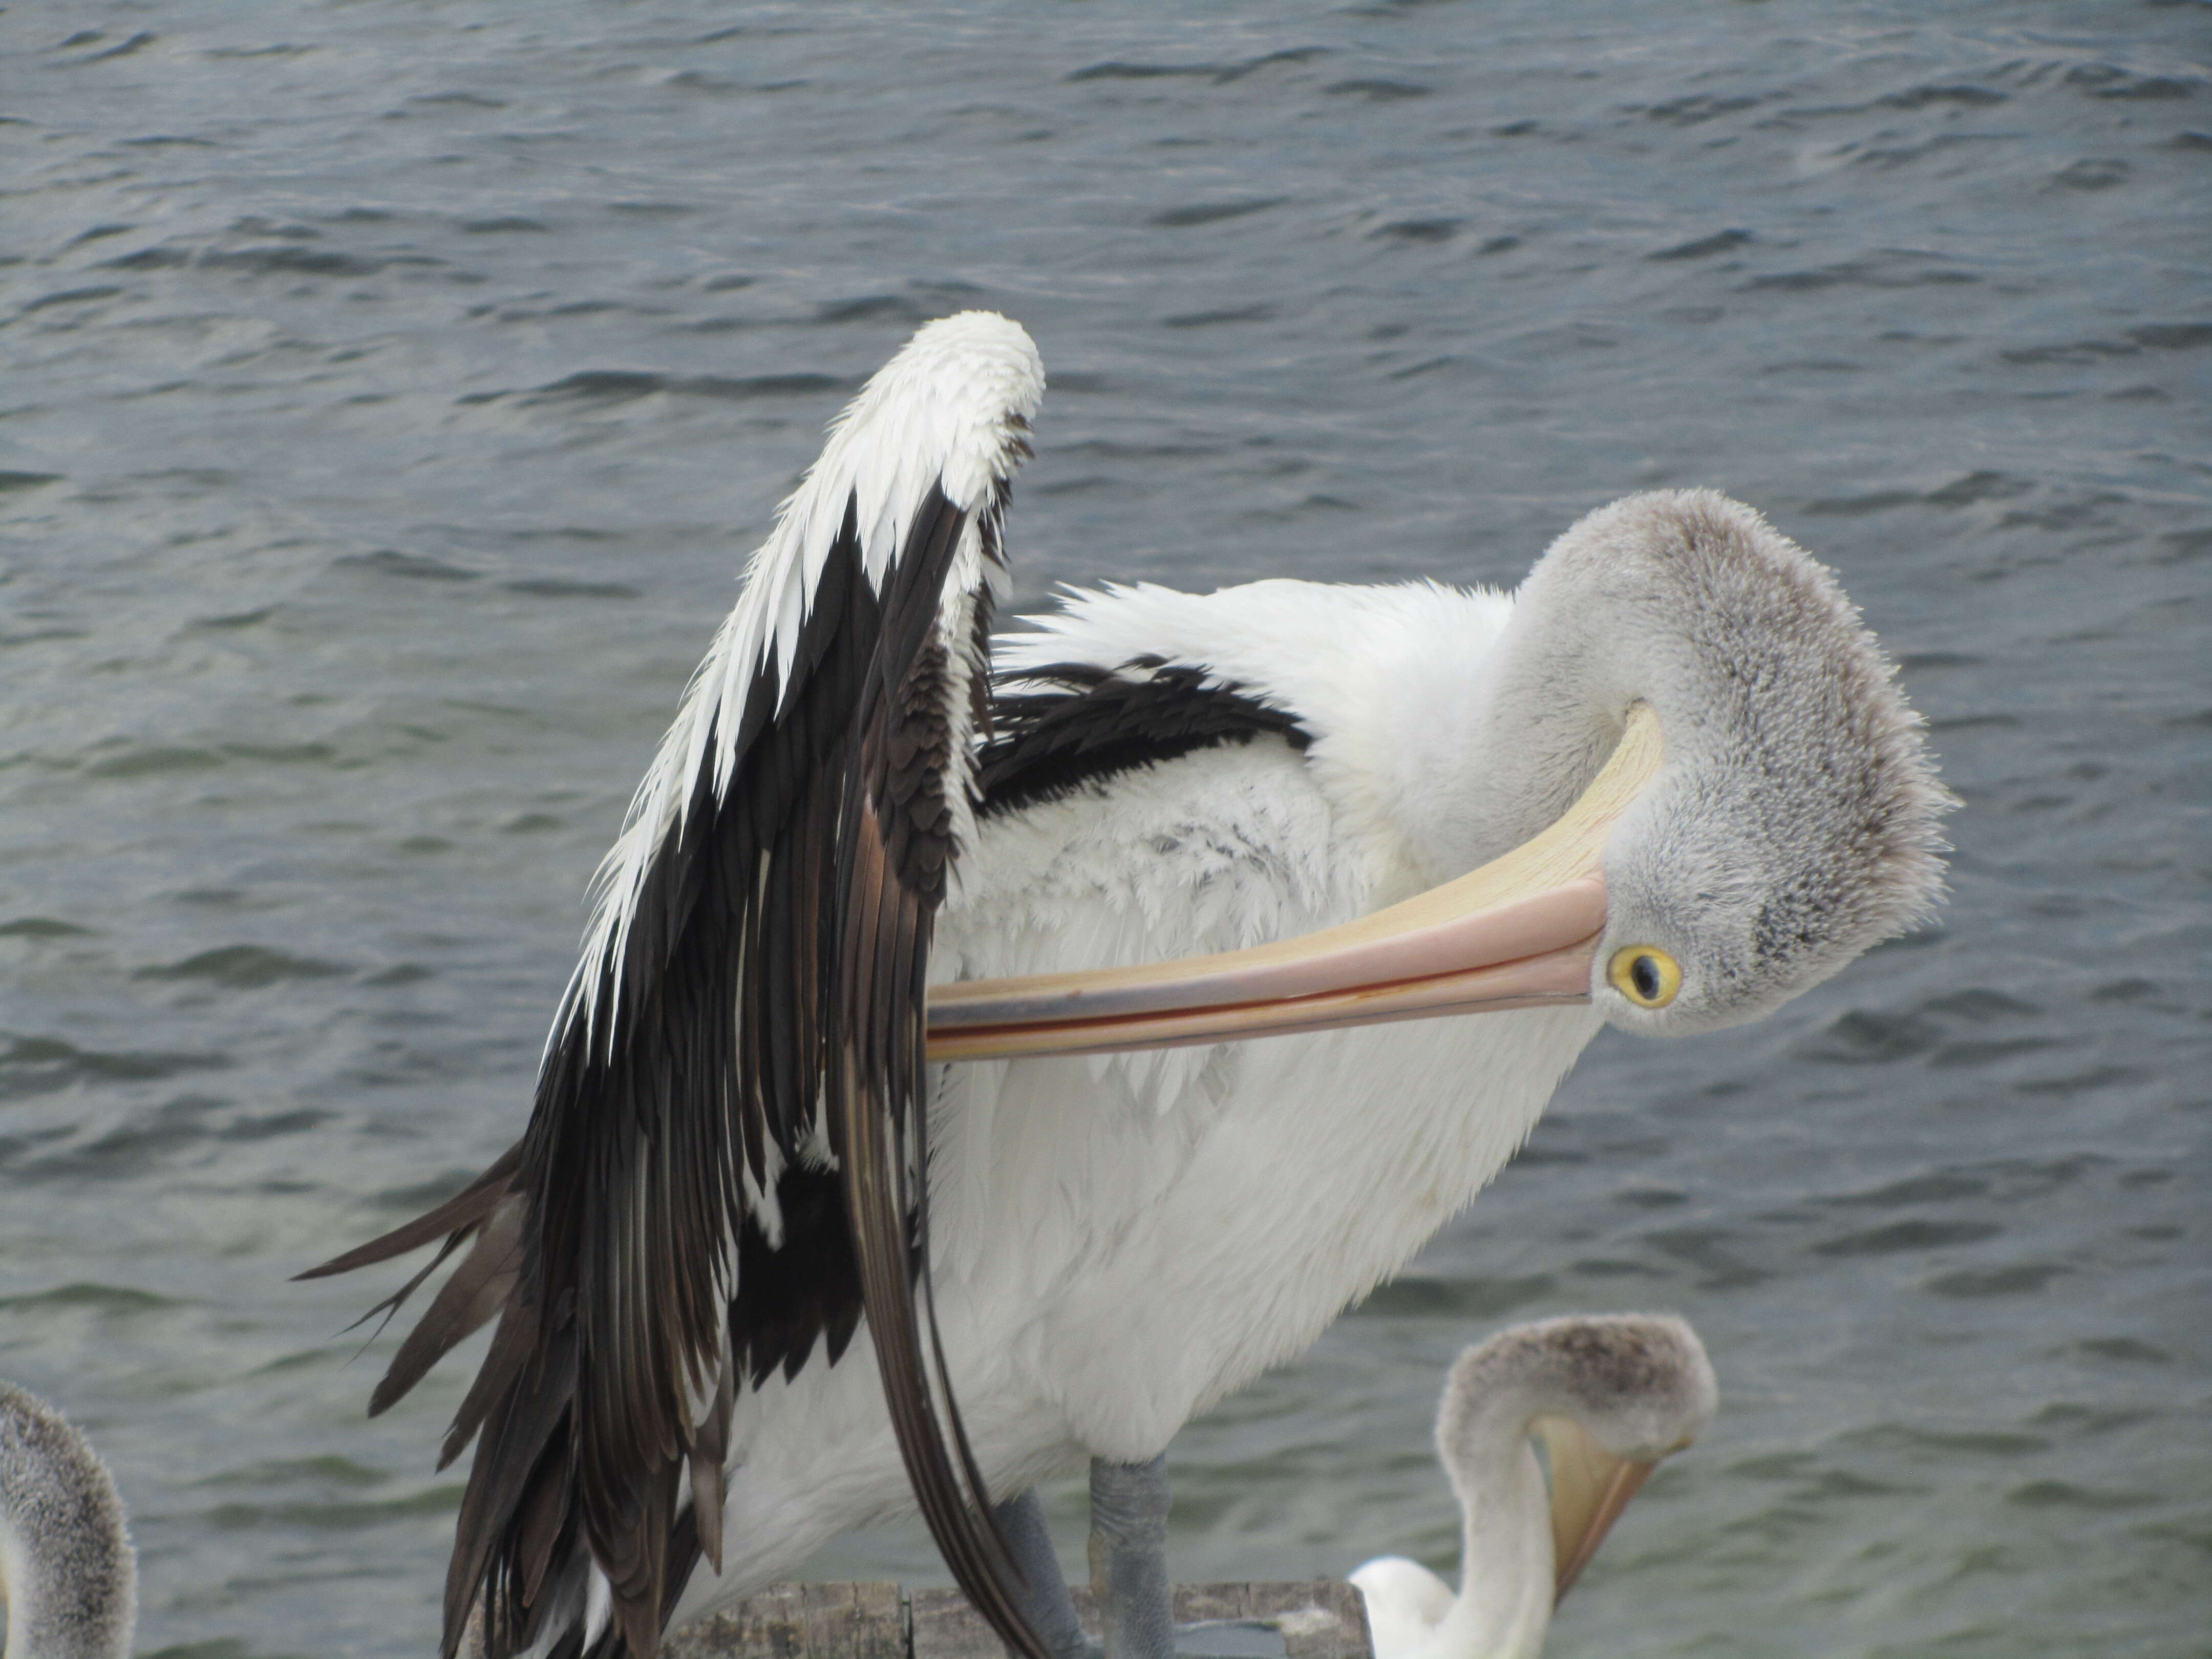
[1519,932]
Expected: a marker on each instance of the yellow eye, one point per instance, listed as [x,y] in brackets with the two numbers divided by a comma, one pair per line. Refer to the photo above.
[1645,974]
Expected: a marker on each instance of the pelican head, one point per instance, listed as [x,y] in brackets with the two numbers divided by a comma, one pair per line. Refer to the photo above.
[1606,1398]
[1689,792]
[1792,820]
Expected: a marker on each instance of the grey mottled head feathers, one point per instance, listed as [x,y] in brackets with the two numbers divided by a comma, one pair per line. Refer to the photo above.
[1640,1384]
[70,1578]
[1797,820]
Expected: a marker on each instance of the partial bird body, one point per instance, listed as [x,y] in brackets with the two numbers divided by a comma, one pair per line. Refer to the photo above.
[1405,1602]
[1606,1397]
[726,1164]
[1120,1240]
[1123,1239]
[68,1577]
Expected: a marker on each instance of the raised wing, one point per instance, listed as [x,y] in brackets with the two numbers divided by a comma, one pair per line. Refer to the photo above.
[722,1165]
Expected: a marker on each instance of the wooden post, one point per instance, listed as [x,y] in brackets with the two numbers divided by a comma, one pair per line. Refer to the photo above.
[1320,1619]
[801,1621]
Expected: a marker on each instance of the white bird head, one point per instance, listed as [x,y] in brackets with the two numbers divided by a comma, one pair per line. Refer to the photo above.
[1640,1384]
[1607,1396]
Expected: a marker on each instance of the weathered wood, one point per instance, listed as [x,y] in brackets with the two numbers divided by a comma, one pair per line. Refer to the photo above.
[941,1624]
[1320,1619]
[801,1621]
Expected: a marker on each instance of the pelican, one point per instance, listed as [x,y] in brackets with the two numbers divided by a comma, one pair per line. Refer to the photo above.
[69,1578]
[1607,1397]
[794,1240]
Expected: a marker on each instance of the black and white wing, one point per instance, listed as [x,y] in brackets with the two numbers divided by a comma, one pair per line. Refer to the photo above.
[722,1164]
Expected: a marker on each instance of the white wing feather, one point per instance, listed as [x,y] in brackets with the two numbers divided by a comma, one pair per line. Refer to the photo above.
[961,391]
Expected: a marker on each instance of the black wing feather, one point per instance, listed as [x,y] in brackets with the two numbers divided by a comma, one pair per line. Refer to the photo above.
[724,1171]
[1096,722]
[651,1113]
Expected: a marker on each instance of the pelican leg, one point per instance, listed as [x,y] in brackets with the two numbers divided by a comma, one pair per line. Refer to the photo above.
[1045,1597]
[1128,1557]
[1129,1576]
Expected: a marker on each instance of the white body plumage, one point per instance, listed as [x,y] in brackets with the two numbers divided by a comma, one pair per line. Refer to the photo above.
[1121,1240]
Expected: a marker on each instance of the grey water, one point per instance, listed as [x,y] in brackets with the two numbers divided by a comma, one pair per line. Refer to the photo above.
[391,392]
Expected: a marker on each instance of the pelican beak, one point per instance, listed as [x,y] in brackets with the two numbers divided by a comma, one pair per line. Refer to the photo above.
[1590,1487]
[1519,932]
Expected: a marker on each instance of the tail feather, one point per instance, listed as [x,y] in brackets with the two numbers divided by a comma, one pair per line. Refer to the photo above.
[710,1448]
[459,1213]
[635,1559]
[544,1520]
[528,1416]
[479,1287]
[512,1345]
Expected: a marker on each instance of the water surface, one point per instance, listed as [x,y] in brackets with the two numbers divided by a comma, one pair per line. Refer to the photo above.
[392,391]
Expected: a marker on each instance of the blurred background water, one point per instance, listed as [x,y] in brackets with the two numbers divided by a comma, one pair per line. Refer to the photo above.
[393,390]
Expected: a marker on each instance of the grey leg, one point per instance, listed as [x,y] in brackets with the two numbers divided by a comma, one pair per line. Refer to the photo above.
[1045,1597]
[1128,1557]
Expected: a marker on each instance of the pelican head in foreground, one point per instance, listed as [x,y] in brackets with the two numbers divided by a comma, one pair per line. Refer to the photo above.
[1607,1397]
[69,1578]
[797,1239]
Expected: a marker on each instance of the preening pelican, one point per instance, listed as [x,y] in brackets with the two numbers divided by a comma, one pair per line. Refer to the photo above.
[69,1578]
[1608,1398]
[771,1186]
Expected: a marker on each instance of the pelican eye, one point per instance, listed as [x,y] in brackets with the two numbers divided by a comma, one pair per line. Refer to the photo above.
[1645,974]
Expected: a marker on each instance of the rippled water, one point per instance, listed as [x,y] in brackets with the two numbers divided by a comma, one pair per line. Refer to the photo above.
[393,390]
